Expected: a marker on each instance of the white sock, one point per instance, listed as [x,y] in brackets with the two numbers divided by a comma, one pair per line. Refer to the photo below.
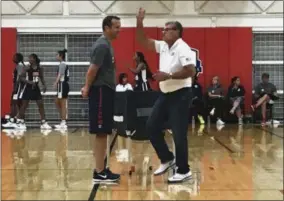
[20,121]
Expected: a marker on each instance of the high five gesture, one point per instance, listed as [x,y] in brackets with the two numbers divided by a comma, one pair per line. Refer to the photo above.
[140,35]
[141,14]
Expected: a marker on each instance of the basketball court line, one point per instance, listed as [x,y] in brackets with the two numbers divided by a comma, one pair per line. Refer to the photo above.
[269,131]
[94,192]
[220,143]
[96,186]
[223,145]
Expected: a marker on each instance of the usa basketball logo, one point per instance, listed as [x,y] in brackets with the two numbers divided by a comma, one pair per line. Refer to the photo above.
[199,67]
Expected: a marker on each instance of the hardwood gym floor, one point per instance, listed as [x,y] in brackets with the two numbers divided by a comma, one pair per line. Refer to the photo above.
[234,163]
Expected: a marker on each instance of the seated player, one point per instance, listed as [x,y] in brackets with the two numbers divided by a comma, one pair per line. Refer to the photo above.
[15,104]
[264,92]
[31,91]
[123,84]
[216,100]
[236,95]
[197,100]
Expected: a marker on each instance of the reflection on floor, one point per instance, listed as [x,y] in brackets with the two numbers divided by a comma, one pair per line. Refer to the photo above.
[228,163]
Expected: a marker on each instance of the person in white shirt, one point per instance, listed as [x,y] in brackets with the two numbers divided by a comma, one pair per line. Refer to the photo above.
[177,66]
[123,84]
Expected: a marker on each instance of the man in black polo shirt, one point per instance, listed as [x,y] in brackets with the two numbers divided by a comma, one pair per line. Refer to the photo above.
[100,88]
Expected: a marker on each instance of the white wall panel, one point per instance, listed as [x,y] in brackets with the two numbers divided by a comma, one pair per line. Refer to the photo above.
[131,7]
[199,4]
[184,8]
[83,7]
[262,22]
[48,8]
[169,4]
[103,5]
[28,5]
[258,14]
[264,5]
[87,23]
[153,7]
[10,8]
[229,7]
[277,7]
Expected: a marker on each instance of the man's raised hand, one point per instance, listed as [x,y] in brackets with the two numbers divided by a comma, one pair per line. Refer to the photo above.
[141,14]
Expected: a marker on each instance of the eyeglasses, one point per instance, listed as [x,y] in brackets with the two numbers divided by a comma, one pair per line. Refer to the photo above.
[168,29]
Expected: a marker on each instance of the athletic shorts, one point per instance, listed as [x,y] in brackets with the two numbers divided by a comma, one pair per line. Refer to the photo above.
[30,93]
[62,90]
[142,86]
[101,110]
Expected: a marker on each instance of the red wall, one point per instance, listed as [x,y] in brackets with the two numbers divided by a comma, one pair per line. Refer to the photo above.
[225,52]
[125,47]
[8,49]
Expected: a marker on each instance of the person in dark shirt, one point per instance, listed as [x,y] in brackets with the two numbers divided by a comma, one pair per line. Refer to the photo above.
[197,100]
[264,92]
[236,94]
[100,88]
[31,91]
[15,103]
[142,73]
[216,99]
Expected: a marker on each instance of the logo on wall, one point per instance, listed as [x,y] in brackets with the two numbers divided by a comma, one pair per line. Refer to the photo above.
[199,67]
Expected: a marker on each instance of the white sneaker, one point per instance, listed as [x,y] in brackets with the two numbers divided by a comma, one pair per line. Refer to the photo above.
[240,121]
[164,167]
[212,112]
[61,126]
[220,122]
[178,178]
[272,122]
[45,126]
[9,125]
[21,126]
